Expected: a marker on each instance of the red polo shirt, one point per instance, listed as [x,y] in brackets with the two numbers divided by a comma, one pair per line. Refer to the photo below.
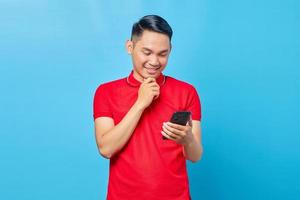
[147,167]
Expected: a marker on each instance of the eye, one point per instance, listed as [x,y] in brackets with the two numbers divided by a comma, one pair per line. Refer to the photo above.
[147,53]
[163,54]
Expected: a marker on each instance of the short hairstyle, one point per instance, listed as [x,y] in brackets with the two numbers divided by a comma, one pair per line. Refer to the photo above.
[151,23]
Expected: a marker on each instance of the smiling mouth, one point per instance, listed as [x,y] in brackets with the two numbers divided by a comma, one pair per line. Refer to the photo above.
[151,70]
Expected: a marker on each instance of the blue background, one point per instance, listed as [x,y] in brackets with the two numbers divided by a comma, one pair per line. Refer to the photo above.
[242,56]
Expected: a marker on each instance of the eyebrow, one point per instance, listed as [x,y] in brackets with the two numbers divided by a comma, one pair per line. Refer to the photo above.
[163,51]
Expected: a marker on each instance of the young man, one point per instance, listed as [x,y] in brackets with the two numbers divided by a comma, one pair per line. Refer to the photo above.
[132,116]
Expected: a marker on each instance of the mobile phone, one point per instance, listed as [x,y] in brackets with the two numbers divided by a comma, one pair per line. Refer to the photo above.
[180,117]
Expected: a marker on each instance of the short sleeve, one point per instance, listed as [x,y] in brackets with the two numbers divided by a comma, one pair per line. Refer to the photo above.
[101,106]
[194,104]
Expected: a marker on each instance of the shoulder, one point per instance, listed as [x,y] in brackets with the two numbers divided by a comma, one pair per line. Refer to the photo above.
[179,84]
[108,86]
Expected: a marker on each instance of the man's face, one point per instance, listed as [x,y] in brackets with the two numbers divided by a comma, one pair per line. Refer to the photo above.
[149,54]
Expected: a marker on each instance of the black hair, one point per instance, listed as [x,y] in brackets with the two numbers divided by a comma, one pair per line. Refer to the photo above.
[151,23]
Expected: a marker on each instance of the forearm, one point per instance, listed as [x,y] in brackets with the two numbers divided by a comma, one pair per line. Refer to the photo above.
[193,151]
[113,140]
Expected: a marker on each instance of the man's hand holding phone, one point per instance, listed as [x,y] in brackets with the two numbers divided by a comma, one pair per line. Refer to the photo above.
[179,129]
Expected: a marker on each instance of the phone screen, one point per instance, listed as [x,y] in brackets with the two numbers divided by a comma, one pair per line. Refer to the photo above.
[180,117]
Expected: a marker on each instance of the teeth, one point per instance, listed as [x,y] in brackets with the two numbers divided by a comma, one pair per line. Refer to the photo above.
[152,68]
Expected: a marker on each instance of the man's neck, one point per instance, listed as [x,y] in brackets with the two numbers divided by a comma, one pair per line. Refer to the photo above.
[138,77]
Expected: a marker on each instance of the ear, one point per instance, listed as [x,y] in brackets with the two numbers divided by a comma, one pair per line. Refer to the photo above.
[129,46]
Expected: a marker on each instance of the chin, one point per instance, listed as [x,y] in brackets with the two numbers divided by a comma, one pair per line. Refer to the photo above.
[151,75]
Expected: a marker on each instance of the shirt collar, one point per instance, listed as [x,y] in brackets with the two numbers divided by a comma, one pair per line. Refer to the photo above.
[132,81]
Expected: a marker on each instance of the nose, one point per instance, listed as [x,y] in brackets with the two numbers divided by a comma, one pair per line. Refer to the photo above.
[154,61]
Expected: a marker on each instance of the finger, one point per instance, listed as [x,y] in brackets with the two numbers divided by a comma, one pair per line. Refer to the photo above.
[149,80]
[166,135]
[173,131]
[176,126]
[190,122]
[170,134]
[155,89]
[152,84]
[156,94]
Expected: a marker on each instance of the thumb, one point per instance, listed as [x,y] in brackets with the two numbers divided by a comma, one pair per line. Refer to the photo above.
[190,122]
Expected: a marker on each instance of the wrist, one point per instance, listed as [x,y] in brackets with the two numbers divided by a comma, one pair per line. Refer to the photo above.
[188,143]
[139,106]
